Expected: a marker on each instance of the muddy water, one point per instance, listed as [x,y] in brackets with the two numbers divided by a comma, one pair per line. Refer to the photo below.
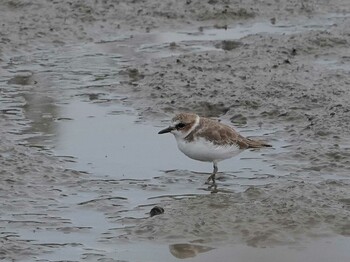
[67,103]
[201,39]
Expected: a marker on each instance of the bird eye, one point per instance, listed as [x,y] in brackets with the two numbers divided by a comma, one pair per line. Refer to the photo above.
[180,125]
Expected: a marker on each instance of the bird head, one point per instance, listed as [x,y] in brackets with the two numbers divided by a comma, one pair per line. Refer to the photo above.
[181,125]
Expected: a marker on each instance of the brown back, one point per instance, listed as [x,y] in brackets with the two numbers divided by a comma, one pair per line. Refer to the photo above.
[221,134]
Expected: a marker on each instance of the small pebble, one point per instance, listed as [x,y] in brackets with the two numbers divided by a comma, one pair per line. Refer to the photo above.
[156,211]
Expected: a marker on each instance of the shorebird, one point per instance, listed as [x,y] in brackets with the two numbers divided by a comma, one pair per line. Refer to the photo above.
[208,140]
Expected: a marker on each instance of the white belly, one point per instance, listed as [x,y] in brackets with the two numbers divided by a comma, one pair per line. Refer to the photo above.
[203,150]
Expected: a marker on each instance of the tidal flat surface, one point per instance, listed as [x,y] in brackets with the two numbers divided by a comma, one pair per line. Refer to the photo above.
[82,163]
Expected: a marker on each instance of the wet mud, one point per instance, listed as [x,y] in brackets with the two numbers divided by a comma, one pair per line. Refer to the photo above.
[85,87]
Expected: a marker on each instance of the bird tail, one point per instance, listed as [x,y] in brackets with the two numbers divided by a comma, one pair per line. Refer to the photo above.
[257,143]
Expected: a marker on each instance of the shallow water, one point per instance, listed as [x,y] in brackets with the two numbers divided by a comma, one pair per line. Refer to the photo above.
[322,250]
[68,105]
[174,43]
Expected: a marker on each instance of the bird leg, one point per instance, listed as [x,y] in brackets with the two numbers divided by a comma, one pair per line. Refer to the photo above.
[212,176]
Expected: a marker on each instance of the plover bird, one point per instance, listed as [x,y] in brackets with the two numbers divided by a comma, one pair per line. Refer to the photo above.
[208,140]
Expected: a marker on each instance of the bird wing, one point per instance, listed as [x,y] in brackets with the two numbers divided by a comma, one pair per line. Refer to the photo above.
[223,135]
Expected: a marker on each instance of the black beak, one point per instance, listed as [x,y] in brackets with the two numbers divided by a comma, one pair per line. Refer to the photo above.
[166,130]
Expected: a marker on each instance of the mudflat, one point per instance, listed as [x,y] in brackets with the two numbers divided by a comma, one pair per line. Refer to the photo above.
[86,85]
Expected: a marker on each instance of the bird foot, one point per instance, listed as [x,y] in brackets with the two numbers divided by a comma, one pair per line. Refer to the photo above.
[210,178]
[213,188]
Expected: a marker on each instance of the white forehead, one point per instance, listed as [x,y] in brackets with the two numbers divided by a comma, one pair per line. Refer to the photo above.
[176,121]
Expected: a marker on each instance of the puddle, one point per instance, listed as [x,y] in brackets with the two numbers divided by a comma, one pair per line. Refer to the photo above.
[318,250]
[69,106]
[117,143]
[175,43]
[193,252]
[145,166]
[334,64]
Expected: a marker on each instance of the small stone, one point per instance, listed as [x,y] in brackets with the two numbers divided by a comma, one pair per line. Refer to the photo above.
[157,210]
